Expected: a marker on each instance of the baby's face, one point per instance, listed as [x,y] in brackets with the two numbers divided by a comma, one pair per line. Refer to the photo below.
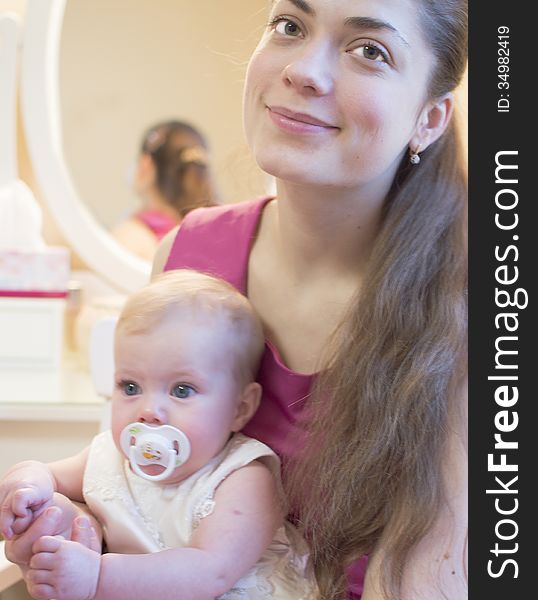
[178,374]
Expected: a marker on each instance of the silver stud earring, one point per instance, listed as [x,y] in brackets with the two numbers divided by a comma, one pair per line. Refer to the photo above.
[414,157]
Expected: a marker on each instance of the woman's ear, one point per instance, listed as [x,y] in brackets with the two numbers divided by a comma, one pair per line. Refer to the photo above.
[247,405]
[433,121]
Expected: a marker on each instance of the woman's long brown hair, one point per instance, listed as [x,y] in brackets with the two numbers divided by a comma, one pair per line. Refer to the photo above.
[381,410]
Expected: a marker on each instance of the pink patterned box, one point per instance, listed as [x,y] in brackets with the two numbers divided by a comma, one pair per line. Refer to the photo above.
[35,274]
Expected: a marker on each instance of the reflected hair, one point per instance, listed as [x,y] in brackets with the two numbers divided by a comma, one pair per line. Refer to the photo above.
[180,154]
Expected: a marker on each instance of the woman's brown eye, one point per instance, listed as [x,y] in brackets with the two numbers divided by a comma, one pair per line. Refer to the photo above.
[373,53]
[287,27]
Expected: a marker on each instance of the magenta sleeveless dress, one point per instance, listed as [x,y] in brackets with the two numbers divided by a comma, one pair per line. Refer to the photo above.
[217,240]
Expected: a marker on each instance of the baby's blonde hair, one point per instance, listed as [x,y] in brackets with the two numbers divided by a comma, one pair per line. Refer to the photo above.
[204,295]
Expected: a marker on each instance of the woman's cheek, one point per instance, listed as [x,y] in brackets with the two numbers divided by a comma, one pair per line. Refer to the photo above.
[363,109]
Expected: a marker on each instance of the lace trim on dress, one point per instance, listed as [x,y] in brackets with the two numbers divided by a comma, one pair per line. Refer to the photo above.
[203,509]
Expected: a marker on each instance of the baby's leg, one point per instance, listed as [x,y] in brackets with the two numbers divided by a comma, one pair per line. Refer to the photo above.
[74,513]
[63,570]
[68,519]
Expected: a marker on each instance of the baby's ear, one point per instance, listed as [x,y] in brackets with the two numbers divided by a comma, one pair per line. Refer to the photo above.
[247,405]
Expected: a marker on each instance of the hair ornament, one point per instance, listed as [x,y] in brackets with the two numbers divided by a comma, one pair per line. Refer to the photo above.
[155,140]
[193,154]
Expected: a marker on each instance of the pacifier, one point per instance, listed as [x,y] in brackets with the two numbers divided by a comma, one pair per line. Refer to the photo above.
[154,445]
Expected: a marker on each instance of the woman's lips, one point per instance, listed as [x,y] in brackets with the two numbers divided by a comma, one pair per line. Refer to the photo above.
[300,123]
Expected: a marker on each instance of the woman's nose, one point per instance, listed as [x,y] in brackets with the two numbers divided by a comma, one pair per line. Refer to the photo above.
[312,71]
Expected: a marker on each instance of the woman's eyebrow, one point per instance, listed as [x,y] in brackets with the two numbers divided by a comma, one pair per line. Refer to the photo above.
[301,5]
[375,24]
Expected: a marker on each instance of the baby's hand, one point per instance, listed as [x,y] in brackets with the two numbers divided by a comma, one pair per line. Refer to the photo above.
[62,570]
[25,493]
[21,504]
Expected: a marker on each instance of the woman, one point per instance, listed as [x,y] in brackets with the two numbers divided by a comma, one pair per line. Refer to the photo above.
[358,272]
[172,177]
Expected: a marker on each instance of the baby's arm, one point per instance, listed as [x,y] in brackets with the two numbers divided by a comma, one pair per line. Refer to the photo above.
[27,490]
[223,548]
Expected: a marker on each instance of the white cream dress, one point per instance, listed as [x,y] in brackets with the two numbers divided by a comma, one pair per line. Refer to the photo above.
[140,516]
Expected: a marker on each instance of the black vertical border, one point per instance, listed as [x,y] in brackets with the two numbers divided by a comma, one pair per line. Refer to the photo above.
[491,132]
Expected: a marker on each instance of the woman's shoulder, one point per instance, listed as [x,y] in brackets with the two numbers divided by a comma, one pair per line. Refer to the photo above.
[213,216]
[213,239]
[163,252]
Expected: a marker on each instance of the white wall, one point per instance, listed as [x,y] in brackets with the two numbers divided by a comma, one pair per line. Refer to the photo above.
[42,441]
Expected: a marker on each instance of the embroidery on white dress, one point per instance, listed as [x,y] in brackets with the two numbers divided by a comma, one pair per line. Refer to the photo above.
[202,510]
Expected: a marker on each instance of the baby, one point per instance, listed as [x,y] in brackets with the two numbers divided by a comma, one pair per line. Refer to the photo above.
[189,507]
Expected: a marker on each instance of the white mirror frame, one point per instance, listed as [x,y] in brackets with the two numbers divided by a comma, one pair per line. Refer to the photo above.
[42,124]
[9,31]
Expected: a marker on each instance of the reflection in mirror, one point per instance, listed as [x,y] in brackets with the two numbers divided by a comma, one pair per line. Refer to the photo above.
[41,115]
[125,65]
[173,175]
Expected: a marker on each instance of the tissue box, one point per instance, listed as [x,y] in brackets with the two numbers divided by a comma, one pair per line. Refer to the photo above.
[43,273]
[31,332]
[31,342]
[33,287]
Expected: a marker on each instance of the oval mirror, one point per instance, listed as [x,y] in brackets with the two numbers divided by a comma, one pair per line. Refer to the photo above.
[96,74]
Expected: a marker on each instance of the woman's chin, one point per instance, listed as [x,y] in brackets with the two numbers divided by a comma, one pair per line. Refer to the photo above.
[284,170]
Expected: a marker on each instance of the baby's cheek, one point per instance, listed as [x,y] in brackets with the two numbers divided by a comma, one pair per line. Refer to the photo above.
[207,438]
[199,434]
[117,427]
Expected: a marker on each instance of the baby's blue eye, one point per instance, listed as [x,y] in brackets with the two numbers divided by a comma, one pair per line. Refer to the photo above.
[130,388]
[182,391]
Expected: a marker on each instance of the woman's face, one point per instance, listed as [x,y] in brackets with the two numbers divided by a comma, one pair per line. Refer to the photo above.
[335,90]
